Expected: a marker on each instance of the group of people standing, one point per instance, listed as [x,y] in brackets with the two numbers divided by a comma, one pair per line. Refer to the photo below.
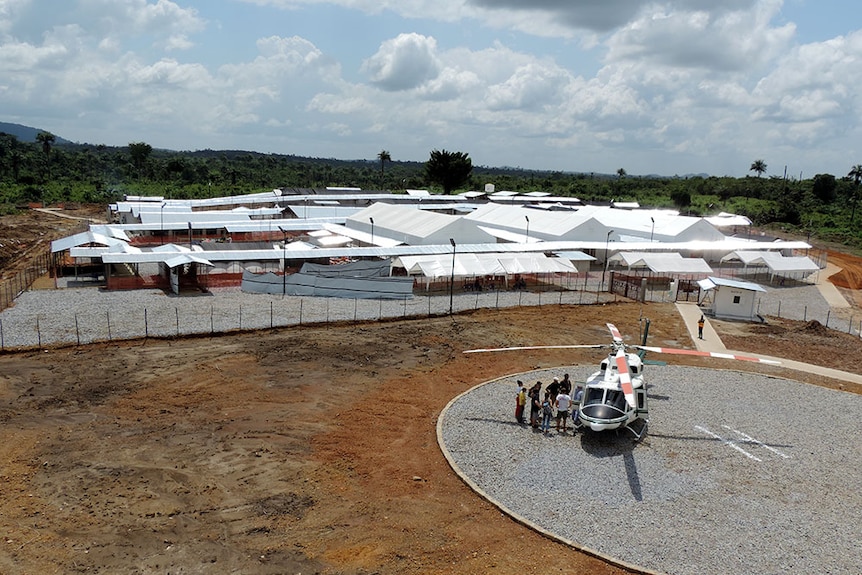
[558,402]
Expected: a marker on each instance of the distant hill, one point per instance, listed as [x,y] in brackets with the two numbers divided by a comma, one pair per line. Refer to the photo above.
[27,133]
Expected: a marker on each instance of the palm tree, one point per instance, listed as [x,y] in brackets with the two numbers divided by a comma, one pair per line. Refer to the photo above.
[856,174]
[449,169]
[47,139]
[621,173]
[758,166]
[384,157]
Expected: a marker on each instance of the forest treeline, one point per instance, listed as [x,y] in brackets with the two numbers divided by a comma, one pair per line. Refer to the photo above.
[48,172]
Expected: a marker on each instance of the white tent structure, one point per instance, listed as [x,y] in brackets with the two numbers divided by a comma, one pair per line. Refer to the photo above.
[439,266]
[732,299]
[663,263]
[796,267]
[415,227]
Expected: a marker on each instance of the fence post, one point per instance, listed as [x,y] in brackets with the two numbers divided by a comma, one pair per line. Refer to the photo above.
[270,314]
[300,311]
[146,324]
[240,317]
[779,309]
[212,322]
[805,314]
[38,332]
[827,317]
[850,325]
[497,302]
[354,310]
[78,333]
[380,308]
[2,339]
[327,310]
[177,312]
[108,316]
[405,306]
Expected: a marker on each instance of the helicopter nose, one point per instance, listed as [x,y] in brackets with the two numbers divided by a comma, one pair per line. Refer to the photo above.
[601,411]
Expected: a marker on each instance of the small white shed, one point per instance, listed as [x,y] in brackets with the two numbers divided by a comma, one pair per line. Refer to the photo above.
[732,299]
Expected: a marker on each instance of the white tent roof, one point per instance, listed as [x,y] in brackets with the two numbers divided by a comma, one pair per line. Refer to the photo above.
[713,282]
[441,265]
[776,262]
[662,262]
[88,237]
[725,219]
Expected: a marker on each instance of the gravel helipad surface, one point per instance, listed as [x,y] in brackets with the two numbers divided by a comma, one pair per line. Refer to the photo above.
[740,473]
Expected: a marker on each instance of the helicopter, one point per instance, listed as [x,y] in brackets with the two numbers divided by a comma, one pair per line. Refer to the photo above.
[615,396]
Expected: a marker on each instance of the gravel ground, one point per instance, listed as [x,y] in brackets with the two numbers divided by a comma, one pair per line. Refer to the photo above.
[788,504]
[83,315]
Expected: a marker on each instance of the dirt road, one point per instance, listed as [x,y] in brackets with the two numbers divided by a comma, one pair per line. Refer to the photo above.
[307,449]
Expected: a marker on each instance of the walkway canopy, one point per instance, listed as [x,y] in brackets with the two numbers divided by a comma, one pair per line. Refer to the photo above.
[777,264]
[666,263]
[441,266]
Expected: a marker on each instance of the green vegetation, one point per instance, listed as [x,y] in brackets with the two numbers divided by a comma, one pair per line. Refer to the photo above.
[51,170]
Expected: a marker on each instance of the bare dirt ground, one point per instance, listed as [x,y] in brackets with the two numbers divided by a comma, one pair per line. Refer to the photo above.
[298,450]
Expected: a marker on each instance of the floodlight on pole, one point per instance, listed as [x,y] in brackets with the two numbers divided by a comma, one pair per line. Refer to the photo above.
[652,219]
[162,222]
[608,239]
[452,277]
[528,228]
[283,261]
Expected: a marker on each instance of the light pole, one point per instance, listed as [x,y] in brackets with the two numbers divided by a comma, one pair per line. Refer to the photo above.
[528,228]
[452,277]
[162,222]
[653,228]
[372,230]
[608,239]
[283,261]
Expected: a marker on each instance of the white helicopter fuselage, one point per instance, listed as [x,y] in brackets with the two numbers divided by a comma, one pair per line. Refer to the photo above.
[603,405]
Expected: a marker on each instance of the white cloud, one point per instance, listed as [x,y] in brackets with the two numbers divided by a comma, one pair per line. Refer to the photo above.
[403,63]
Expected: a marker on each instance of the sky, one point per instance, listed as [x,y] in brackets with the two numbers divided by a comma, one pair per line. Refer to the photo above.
[667,87]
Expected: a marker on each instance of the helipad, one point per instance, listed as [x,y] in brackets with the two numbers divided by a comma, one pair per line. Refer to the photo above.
[739,473]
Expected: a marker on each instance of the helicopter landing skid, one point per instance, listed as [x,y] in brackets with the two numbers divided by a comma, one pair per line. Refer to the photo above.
[643,428]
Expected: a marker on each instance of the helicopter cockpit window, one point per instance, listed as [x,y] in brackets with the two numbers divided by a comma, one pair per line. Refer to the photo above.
[617,399]
[593,395]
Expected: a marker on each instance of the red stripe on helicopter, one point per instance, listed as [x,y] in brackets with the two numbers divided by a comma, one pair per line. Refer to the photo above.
[625,378]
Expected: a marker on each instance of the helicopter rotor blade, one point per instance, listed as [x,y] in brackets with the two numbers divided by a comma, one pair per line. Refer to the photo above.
[677,351]
[528,347]
[625,377]
[615,333]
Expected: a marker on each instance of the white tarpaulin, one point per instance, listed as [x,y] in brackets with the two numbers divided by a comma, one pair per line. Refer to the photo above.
[777,263]
[669,263]
[441,265]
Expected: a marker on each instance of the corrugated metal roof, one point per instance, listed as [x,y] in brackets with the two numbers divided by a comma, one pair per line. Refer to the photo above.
[713,282]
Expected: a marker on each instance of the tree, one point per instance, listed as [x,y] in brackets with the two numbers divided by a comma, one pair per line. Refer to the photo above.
[622,173]
[758,166]
[449,169]
[823,187]
[139,151]
[47,139]
[384,157]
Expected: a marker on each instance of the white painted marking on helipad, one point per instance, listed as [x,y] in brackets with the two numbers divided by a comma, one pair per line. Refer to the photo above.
[750,439]
[727,442]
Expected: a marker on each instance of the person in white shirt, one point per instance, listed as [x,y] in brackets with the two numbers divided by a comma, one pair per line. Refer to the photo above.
[563,402]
